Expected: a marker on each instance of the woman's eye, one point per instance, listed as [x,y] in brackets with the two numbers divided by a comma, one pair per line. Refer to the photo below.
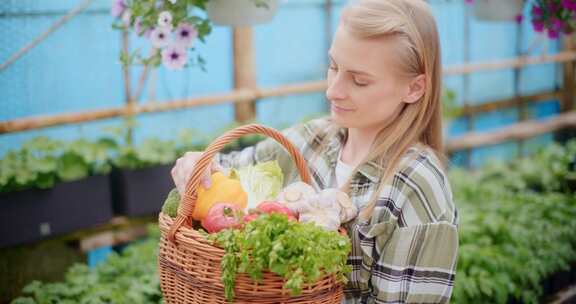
[331,67]
[359,83]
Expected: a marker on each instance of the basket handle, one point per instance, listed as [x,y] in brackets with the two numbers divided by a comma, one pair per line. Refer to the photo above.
[188,201]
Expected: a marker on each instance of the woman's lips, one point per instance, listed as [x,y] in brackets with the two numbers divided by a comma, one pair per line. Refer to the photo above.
[341,109]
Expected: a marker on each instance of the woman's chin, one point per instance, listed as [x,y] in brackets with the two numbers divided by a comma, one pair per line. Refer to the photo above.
[338,119]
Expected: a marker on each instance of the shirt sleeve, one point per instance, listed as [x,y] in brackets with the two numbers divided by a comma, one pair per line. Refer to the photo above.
[416,265]
[413,259]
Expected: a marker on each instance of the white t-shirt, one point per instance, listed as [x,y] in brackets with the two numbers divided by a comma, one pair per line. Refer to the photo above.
[343,171]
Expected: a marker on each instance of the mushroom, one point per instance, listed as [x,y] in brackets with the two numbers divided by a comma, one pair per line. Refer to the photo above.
[295,196]
[348,210]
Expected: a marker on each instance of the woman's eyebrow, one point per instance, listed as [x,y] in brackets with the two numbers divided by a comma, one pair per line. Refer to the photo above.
[353,71]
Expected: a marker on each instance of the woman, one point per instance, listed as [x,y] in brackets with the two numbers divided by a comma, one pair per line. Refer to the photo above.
[382,144]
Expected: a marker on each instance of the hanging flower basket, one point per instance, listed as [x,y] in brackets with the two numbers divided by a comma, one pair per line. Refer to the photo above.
[497,10]
[241,12]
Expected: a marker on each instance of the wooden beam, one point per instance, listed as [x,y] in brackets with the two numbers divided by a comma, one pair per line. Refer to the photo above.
[517,62]
[509,103]
[244,71]
[236,96]
[522,130]
[112,238]
[239,96]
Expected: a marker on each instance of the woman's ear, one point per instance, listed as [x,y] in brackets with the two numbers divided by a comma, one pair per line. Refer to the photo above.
[416,89]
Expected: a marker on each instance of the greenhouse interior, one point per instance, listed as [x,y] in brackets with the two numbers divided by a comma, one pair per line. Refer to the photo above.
[287,151]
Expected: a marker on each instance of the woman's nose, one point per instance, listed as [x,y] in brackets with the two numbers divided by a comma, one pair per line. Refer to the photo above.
[336,90]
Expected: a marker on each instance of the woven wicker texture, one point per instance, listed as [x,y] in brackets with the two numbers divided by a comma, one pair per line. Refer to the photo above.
[189,265]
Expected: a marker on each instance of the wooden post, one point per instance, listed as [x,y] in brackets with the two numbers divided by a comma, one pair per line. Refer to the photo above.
[567,101]
[244,71]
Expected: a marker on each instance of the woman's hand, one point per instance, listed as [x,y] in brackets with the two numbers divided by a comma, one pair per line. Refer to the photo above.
[184,166]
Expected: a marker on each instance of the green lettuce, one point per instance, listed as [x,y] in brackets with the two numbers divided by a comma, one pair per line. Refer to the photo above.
[262,182]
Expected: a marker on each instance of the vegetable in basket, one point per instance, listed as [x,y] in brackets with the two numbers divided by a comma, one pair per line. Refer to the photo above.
[298,252]
[262,182]
[223,216]
[223,189]
[327,209]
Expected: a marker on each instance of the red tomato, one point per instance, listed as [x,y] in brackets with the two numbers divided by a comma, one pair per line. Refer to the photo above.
[275,207]
[250,217]
[222,216]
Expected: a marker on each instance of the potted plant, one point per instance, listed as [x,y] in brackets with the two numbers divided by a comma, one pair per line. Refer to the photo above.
[49,187]
[141,176]
[241,12]
[497,10]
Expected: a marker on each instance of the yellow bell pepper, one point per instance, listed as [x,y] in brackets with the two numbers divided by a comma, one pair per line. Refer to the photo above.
[222,190]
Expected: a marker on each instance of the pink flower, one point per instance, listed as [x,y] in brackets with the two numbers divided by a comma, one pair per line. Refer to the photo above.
[159,37]
[537,11]
[556,24]
[469,1]
[138,26]
[553,7]
[174,57]
[538,26]
[519,18]
[569,4]
[186,34]
[118,7]
[552,34]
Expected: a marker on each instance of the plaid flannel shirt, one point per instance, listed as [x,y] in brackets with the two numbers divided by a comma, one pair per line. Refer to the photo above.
[407,251]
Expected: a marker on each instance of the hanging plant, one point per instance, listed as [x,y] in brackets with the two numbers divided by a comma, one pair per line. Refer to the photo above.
[172,28]
[555,17]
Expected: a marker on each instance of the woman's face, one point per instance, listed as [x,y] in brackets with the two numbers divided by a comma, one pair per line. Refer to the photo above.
[365,89]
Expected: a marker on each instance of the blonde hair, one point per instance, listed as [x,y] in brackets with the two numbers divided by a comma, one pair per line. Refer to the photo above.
[411,23]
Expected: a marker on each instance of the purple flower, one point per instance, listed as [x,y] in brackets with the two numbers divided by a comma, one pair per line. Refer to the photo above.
[519,18]
[553,7]
[538,26]
[537,11]
[569,4]
[469,1]
[552,34]
[556,24]
[185,34]
[138,25]
[174,57]
[159,37]
[118,7]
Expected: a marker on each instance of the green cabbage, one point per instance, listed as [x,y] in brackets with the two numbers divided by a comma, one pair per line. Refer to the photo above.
[262,182]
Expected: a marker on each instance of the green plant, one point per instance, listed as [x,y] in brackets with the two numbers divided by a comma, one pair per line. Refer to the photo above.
[41,162]
[517,226]
[511,238]
[300,253]
[152,151]
[171,26]
[129,277]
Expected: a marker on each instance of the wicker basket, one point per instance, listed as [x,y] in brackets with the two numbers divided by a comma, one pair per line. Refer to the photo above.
[189,265]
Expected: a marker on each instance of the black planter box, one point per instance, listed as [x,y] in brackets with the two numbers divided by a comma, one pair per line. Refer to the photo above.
[140,192]
[34,214]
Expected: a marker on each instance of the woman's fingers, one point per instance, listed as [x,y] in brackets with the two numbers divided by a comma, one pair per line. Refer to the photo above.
[184,167]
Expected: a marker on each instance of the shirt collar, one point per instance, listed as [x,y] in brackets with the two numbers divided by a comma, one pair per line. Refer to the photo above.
[371,170]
